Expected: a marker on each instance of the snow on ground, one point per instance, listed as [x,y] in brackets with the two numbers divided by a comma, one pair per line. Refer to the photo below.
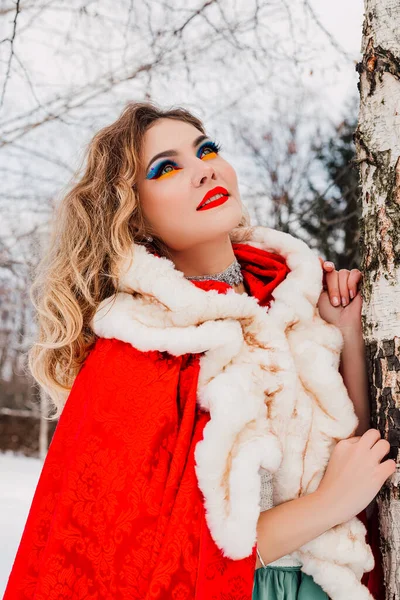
[18,478]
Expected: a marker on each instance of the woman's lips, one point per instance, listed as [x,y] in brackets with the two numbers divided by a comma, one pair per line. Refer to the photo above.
[214,203]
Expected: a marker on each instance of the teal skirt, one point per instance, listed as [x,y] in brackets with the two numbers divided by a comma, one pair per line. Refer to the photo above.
[285,583]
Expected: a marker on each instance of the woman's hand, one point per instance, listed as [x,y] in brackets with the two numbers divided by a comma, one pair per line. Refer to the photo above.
[356,471]
[340,301]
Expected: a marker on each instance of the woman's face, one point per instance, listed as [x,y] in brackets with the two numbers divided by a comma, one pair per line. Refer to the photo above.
[172,186]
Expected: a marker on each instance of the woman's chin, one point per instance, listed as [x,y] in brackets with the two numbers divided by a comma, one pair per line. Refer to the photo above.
[233,219]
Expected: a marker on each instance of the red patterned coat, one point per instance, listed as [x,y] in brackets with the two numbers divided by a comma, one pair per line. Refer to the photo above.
[117,513]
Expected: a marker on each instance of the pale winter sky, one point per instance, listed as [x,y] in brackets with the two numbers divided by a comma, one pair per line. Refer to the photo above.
[343,19]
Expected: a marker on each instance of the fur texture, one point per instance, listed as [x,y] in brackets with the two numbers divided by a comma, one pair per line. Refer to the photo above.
[270,381]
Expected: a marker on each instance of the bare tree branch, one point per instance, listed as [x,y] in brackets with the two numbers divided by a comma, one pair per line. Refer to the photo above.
[11,40]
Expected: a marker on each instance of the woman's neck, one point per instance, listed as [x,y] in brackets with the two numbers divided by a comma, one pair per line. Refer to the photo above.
[208,258]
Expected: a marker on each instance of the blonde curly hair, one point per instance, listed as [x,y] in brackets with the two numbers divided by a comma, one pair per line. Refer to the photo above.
[93,227]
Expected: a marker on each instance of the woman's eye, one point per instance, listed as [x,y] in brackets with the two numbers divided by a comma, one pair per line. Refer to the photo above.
[212,148]
[166,170]
[162,170]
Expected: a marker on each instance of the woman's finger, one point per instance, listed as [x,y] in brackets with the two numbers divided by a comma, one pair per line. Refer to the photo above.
[380,449]
[327,267]
[332,284]
[343,286]
[370,437]
[353,281]
[353,440]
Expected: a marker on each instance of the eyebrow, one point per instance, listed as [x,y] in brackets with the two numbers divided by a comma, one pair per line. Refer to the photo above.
[174,152]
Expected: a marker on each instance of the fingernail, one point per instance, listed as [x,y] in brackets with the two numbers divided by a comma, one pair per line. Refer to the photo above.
[335,301]
[351,294]
[344,301]
[328,264]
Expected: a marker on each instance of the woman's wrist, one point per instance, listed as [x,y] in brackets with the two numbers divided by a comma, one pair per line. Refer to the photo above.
[328,507]
[353,369]
[353,344]
[288,526]
[352,334]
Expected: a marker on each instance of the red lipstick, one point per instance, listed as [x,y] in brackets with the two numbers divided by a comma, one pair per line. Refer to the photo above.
[217,202]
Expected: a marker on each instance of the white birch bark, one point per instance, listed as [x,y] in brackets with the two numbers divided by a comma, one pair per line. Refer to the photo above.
[378,152]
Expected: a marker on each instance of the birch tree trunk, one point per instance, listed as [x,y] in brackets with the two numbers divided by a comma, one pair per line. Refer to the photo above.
[377,140]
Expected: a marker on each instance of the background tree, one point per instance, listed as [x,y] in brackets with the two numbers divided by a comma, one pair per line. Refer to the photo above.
[331,216]
[308,183]
[378,151]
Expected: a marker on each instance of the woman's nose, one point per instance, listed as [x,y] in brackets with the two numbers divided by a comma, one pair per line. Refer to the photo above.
[203,173]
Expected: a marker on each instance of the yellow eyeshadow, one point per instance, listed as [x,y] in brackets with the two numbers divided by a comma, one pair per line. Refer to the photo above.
[209,155]
[167,174]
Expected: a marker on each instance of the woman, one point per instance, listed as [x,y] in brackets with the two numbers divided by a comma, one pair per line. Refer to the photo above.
[200,359]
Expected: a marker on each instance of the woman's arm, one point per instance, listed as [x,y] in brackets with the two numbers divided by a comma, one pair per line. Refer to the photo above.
[352,479]
[353,369]
[347,316]
[285,528]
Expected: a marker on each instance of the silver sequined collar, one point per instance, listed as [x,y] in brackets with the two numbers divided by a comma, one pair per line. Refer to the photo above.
[232,275]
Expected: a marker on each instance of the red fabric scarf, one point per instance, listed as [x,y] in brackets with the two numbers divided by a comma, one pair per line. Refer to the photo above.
[117,513]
